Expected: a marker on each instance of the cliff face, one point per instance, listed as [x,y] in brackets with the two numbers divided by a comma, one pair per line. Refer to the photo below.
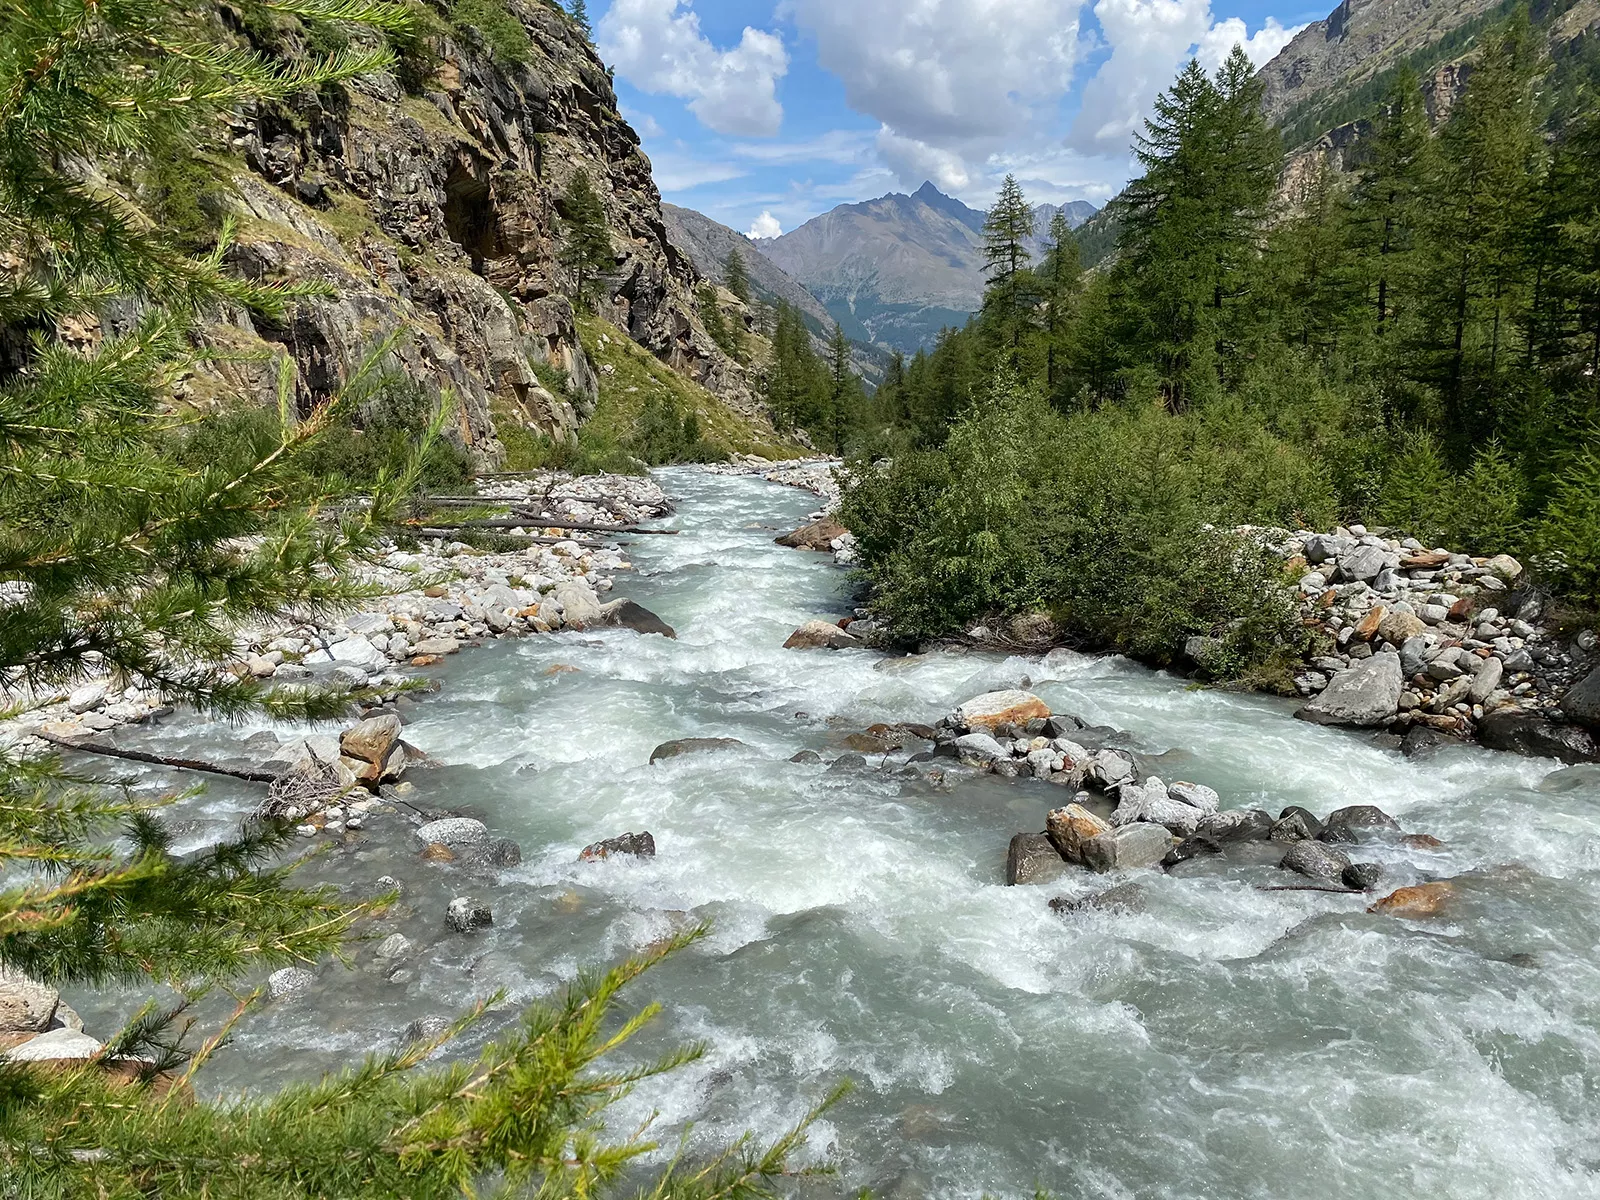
[435,217]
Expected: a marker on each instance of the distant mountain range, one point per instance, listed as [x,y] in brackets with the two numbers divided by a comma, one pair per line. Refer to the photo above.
[898,269]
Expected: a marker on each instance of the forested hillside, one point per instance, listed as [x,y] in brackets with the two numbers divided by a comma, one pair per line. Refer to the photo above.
[1415,344]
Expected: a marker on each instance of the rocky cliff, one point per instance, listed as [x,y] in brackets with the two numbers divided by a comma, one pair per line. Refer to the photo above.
[433,211]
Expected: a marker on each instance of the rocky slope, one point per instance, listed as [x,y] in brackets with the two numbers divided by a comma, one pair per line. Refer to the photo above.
[897,269]
[708,243]
[434,214]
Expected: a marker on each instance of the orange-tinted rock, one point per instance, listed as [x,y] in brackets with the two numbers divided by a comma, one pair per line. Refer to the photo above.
[1462,608]
[818,535]
[1367,627]
[1327,599]
[561,669]
[1425,561]
[1423,900]
[1070,827]
[993,709]
[436,592]
[438,852]
[1421,841]
[427,660]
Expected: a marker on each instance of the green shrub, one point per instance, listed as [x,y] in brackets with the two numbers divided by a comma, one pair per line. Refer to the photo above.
[1567,534]
[416,48]
[499,28]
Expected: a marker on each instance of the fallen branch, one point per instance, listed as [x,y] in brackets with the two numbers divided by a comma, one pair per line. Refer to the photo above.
[157,760]
[504,529]
[1309,887]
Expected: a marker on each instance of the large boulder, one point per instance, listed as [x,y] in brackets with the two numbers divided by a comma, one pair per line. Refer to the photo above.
[627,845]
[1149,802]
[579,607]
[1316,861]
[1070,827]
[1362,562]
[979,749]
[1582,701]
[1031,858]
[625,614]
[988,712]
[1365,694]
[468,914]
[372,740]
[435,647]
[819,535]
[56,1046]
[26,1006]
[1523,732]
[820,635]
[1138,845]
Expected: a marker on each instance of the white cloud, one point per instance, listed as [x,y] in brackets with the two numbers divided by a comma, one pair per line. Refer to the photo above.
[765,226]
[1262,46]
[674,171]
[951,81]
[657,46]
[1150,40]
[838,146]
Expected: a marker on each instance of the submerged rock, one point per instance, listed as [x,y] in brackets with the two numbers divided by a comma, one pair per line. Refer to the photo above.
[1237,825]
[1351,824]
[468,914]
[1316,861]
[1125,897]
[682,746]
[1362,876]
[1423,900]
[635,845]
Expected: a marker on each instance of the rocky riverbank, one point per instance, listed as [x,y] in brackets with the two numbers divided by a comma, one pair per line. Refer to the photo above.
[1423,642]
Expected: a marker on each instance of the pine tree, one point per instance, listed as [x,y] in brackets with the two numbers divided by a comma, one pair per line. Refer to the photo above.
[580,16]
[1060,281]
[1006,232]
[586,250]
[735,277]
[1314,263]
[844,390]
[1480,207]
[1387,200]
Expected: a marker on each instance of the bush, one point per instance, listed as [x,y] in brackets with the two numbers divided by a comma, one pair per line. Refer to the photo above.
[1567,534]
[1100,519]
[496,25]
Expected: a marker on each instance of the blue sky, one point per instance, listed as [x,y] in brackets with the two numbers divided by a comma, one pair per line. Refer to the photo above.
[764,113]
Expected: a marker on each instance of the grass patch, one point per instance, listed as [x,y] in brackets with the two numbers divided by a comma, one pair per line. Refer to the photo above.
[637,378]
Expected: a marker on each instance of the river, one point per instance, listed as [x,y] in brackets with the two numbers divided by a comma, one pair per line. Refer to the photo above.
[1223,1042]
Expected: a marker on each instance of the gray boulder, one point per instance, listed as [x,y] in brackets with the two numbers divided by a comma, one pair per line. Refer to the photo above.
[467,914]
[290,981]
[1365,694]
[1582,701]
[1362,563]
[1352,823]
[1149,802]
[26,1006]
[1031,858]
[1315,861]
[579,607]
[1132,846]
[55,1045]
[1237,825]
[1196,795]
[1522,732]
[625,614]
[1362,877]
[458,833]
[979,748]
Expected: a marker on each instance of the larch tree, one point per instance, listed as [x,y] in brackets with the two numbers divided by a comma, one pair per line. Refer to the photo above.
[585,249]
[735,275]
[1007,230]
[1060,280]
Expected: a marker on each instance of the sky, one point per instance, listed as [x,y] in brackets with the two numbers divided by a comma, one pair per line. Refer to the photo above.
[764,113]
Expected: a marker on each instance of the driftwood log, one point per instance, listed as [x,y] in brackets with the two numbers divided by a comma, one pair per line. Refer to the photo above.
[158,760]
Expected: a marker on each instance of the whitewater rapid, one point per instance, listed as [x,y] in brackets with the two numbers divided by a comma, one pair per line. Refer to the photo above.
[1223,1042]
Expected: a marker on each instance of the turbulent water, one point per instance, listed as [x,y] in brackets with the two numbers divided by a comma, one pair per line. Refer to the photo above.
[1223,1042]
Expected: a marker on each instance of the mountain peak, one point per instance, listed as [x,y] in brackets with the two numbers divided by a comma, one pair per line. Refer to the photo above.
[928,193]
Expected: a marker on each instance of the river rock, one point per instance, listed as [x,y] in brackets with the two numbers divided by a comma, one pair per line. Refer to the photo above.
[1505,567]
[625,614]
[1486,680]
[1237,825]
[633,845]
[979,749]
[1125,897]
[467,914]
[435,647]
[1031,858]
[1523,732]
[396,945]
[55,1046]
[26,1005]
[682,746]
[1362,876]
[1070,827]
[1398,628]
[1149,802]
[1348,825]
[88,696]
[1138,845]
[1295,824]
[1196,795]
[1362,563]
[819,535]
[1111,768]
[1315,861]
[580,609]
[1582,701]
[457,834]
[1365,694]
[1195,846]
[288,982]
[424,1029]
[820,635]
[372,740]
[1423,900]
[988,712]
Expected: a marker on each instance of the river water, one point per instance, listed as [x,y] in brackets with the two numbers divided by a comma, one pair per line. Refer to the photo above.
[1222,1042]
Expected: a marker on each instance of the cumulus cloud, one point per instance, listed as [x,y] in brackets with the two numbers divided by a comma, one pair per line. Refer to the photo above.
[765,226]
[1150,40]
[657,46]
[1262,46]
[951,81]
